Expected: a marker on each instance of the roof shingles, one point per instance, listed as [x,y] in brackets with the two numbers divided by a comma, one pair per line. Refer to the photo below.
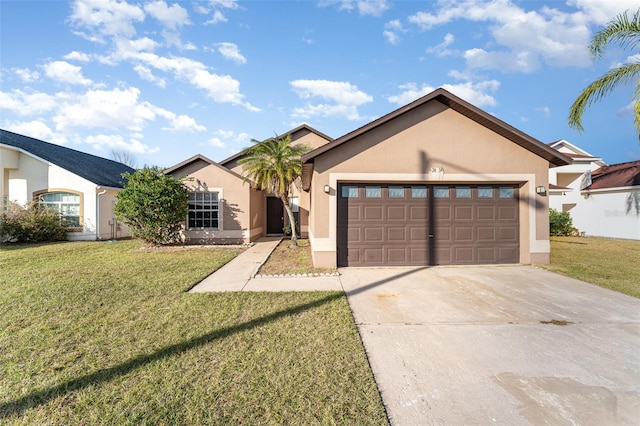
[101,171]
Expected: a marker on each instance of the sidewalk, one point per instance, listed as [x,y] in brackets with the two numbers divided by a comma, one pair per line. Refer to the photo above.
[237,274]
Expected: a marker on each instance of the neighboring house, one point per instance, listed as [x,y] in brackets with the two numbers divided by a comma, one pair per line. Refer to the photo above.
[437,181]
[223,206]
[603,200]
[611,203]
[82,187]
[565,181]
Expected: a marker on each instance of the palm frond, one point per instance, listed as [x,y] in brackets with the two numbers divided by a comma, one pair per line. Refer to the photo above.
[600,88]
[622,29]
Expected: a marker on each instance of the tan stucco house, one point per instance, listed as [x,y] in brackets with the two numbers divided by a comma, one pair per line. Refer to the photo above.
[435,182]
[225,209]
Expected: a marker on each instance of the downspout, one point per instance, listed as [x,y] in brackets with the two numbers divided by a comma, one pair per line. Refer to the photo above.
[104,191]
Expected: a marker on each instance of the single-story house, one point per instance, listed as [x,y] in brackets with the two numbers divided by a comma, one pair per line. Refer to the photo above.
[438,181]
[224,208]
[82,187]
[603,200]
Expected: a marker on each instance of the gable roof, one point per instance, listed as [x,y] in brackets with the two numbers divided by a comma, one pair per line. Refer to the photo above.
[474,113]
[101,171]
[291,132]
[616,176]
[577,153]
[200,157]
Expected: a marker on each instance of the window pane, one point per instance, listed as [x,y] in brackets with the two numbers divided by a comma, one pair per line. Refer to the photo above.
[396,192]
[373,191]
[441,192]
[485,192]
[463,192]
[349,192]
[294,203]
[506,192]
[418,192]
[203,210]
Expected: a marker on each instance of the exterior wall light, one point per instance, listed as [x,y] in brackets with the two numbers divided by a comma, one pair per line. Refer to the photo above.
[327,189]
[541,190]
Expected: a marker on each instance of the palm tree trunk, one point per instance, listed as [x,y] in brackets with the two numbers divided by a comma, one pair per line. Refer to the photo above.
[292,221]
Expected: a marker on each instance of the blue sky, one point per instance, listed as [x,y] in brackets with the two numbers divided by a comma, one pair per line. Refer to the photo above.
[168,80]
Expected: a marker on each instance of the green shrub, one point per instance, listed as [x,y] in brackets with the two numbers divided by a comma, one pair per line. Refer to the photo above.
[31,224]
[153,205]
[560,223]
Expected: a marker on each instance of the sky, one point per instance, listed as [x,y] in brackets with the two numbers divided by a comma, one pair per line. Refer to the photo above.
[166,80]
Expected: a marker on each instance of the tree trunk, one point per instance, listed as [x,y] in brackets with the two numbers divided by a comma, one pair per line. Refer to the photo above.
[292,220]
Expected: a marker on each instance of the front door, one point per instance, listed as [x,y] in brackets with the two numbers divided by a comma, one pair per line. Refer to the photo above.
[275,216]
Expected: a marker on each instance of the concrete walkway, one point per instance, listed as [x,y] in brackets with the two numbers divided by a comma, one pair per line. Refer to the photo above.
[238,275]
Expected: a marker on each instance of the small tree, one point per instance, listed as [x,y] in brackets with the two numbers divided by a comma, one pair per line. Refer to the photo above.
[560,223]
[274,165]
[153,205]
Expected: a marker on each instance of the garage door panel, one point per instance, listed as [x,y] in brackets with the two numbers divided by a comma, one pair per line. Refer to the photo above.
[373,212]
[485,213]
[373,235]
[463,233]
[396,213]
[396,255]
[486,255]
[442,212]
[464,228]
[463,213]
[485,233]
[396,234]
[418,212]
[419,233]
[463,255]
[373,255]
[507,213]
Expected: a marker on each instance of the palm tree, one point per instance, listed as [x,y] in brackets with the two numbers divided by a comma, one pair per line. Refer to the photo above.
[625,31]
[274,165]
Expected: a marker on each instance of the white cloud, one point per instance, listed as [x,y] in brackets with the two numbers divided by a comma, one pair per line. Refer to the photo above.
[64,72]
[373,7]
[25,104]
[345,99]
[109,17]
[545,110]
[220,88]
[364,7]
[230,51]
[111,109]
[441,49]
[215,142]
[179,123]
[527,37]
[77,56]
[172,17]
[35,129]
[117,143]
[146,74]
[26,75]
[391,30]
[601,12]
[215,7]
[477,94]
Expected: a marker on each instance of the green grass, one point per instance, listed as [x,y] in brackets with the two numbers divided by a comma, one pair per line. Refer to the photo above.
[104,333]
[609,263]
[291,260]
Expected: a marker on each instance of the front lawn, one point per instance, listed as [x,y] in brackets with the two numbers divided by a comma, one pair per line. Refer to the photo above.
[609,263]
[104,333]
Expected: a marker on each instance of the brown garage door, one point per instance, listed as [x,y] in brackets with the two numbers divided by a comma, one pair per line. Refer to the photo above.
[412,224]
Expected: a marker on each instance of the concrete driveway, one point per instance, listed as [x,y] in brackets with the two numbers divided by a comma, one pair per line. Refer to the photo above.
[510,345]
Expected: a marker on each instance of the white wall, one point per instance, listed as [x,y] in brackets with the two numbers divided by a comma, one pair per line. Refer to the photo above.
[604,214]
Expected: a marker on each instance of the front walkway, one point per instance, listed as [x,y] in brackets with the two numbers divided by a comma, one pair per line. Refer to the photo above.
[238,275]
